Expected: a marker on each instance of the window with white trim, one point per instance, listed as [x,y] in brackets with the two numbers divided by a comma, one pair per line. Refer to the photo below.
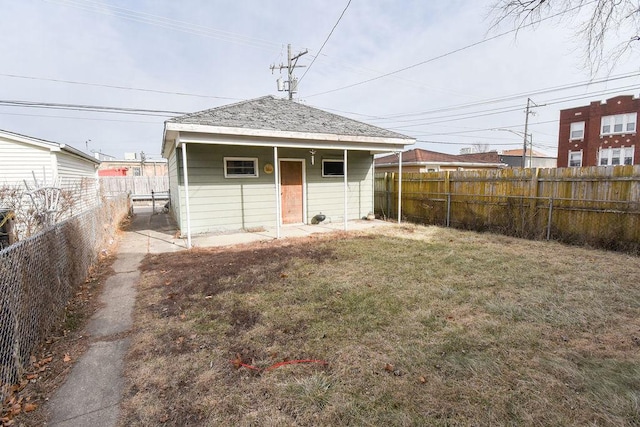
[332,168]
[616,156]
[577,130]
[618,124]
[575,159]
[240,167]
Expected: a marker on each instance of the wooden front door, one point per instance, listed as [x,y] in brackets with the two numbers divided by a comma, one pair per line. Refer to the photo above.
[291,191]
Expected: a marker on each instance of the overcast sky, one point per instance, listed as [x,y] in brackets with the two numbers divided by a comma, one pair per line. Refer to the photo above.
[191,55]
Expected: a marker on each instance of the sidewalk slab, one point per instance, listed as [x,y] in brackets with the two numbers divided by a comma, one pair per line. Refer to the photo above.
[91,394]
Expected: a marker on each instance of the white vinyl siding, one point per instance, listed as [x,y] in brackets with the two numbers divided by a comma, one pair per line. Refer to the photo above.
[173,185]
[19,161]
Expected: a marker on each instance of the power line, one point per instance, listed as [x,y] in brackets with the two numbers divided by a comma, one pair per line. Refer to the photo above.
[444,55]
[81,118]
[168,23]
[16,76]
[325,41]
[91,108]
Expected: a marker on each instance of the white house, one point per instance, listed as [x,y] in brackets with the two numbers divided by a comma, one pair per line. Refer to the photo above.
[268,162]
[27,161]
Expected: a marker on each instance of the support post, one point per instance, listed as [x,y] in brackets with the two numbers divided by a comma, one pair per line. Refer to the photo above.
[550,218]
[186,192]
[276,174]
[399,187]
[346,191]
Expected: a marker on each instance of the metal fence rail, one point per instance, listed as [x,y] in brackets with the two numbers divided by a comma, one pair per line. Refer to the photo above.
[39,275]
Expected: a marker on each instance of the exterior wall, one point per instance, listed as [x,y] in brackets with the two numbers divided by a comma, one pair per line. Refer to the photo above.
[219,204]
[80,177]
[531,162]
[593,141]
[174,188]
[19,160]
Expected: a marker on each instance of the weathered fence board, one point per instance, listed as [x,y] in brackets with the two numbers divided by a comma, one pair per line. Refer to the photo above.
[596,205]
[115,185]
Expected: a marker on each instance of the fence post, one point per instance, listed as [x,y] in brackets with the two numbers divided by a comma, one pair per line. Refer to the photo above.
[388,180]
[448,209]
[549,219]
[153,202]
[447,190]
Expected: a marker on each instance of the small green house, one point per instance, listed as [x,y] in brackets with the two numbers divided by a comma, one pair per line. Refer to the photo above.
[269,162]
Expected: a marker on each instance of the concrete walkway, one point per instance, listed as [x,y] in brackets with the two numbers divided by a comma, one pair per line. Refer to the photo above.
[92,392]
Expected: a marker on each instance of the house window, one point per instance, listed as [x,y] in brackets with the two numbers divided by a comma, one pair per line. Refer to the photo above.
[577,130]
[240,167]
[627,155]
[575,158]
[620,123]
[137,171]
[616,156]
[332,168]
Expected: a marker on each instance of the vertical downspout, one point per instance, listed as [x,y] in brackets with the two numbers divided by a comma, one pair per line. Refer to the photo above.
[186,192]
[346,188]
[276,173]
[399,186]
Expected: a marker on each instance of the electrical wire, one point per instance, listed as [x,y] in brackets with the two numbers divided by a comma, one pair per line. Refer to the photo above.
[167,23]
[325,41]
[92,108]
[444,55]
[74,82]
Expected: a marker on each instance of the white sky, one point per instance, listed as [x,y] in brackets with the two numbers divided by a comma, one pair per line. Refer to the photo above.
[222,50]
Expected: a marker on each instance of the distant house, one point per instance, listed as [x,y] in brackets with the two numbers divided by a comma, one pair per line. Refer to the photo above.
[269,162]
[533,159]
[418,160]
[600,134]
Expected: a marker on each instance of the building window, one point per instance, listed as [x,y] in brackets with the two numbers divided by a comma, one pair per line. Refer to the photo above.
[577,130]
[332,168]
[137,171]
[620,123]
[240,167]
[616,156]
[575,158]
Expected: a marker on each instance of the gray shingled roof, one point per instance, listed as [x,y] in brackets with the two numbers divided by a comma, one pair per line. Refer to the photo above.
[271,113]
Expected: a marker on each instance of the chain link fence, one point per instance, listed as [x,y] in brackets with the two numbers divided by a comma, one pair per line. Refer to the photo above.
[39,275]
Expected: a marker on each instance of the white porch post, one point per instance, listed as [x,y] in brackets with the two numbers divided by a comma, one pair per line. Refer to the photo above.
[346,191]
[276,174]
[399,187]
[186,192]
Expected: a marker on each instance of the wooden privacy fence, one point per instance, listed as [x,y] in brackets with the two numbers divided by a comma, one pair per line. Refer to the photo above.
[136,185]
[595,205]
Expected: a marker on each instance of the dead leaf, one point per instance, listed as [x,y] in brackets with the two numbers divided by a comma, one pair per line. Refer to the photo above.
[284,275]
[208,297]
[164,418]
[423,380]
[388,367]
[28,407]
[46,360]
[66,358]
[32,376]
[237,362]
[182,317]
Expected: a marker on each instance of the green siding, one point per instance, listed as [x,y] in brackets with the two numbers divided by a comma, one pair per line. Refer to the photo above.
[219,204]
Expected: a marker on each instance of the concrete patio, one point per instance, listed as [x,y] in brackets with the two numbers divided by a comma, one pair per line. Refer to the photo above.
[161,226]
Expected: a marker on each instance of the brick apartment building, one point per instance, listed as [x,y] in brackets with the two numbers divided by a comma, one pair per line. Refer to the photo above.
[600,134]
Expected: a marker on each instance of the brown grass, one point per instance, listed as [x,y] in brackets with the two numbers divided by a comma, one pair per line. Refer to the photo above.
[418,325]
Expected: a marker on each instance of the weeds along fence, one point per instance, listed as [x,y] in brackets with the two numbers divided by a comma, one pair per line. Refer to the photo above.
[39,275]
[599,206]
[115,185]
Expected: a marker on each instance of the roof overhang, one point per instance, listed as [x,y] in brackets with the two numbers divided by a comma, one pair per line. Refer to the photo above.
[178,133]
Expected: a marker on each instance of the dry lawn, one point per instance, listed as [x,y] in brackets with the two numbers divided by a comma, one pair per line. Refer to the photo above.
[418,326]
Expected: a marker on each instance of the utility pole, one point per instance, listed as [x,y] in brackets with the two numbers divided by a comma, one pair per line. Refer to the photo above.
[292,63]
[526,128]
